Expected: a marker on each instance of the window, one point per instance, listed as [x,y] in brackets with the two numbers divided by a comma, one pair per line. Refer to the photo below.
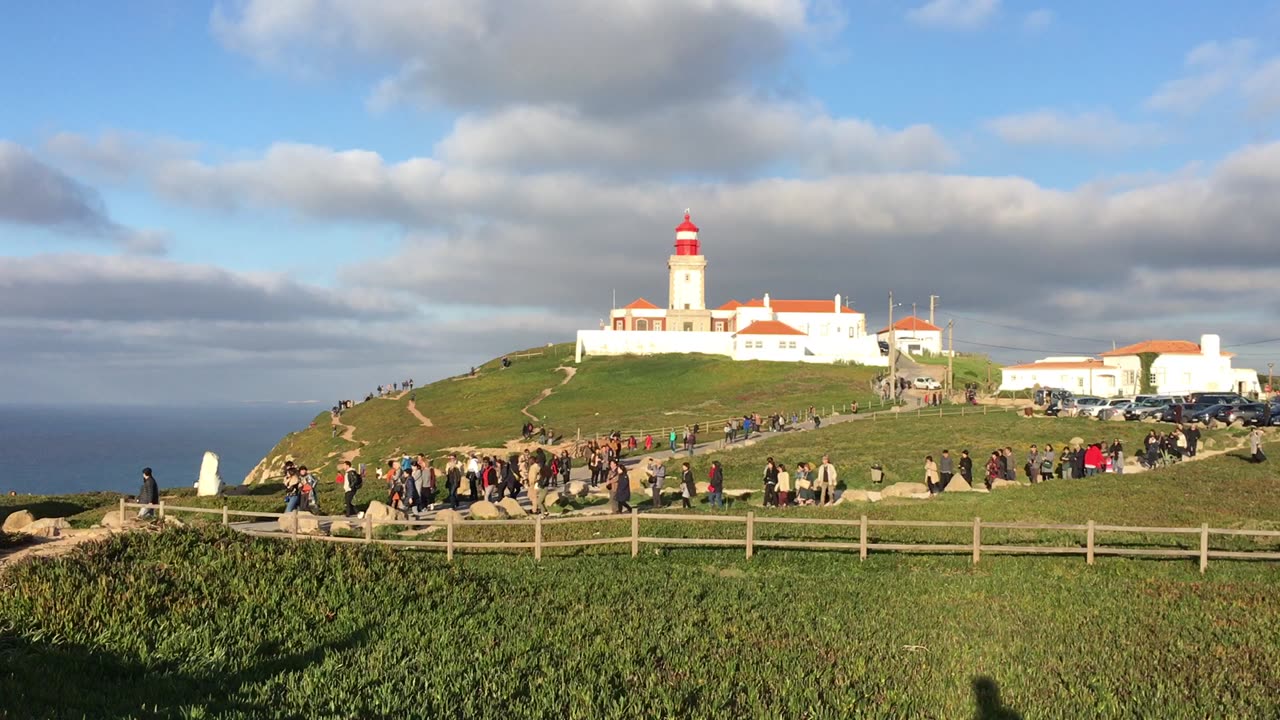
[642,324]
[851,329]
[782,344]
[791,345]
[1130,377]
[686,306]
[686,277]
[619,324]
[657,324]
[1153,380]
[688,327]
[1079,382]
[719,326]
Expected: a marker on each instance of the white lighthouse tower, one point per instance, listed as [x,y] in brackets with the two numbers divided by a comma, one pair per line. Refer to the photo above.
[687,292]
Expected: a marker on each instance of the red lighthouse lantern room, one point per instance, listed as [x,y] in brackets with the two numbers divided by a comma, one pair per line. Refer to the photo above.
[687,237]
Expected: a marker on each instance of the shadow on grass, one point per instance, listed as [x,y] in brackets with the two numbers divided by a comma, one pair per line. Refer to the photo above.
[68,680]
[986,696]
[45,509]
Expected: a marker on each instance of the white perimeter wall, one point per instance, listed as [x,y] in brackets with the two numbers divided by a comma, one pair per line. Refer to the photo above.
[863,350]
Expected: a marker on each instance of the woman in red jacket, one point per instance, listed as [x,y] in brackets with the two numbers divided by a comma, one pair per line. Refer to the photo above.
[1092,460]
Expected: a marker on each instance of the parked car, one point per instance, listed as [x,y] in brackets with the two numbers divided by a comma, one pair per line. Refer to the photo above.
[1117,405]
[1217,398]
[1250,414]
[1151,407]
[884,347]
[926,383]
[1089,405]
[1063,406]
[1190,411]
[1199,412]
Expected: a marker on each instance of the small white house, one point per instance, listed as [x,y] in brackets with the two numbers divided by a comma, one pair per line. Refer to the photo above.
[1178,367]
[914,336]
[769,340]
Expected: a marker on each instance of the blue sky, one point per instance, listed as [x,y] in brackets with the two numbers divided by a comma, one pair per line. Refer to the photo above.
[444,181]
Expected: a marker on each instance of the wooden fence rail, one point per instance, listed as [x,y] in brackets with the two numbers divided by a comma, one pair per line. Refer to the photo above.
[751,542]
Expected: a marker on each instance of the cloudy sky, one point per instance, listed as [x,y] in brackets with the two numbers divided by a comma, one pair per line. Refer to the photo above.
[299,199]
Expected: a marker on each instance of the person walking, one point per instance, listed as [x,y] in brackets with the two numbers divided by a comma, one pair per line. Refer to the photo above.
[688,490]
[473,476]
[1255,445]
[728,433]
[1117,456]
[310,493]
[532,480]
[715,485]
[966,467]
[659,479]
[672,439]
[770,482]
[946,468]
[931,479]
[149,494]
[351,482]
[827,479]
[784,486]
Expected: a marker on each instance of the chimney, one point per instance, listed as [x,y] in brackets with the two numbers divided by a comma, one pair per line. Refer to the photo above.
[766,300]
[837,302]
[1210,345]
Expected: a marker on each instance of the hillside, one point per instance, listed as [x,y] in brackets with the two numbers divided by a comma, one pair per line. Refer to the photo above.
[634,395]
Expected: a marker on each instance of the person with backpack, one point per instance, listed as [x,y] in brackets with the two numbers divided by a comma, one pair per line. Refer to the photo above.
[310,494]
[351,484]
[715,485]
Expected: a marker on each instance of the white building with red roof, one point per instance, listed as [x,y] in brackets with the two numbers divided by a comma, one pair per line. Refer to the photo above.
[1177,367]
[824,331]
[914,336]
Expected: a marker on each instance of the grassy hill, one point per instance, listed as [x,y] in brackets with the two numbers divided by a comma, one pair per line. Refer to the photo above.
[967,368]
[631,394]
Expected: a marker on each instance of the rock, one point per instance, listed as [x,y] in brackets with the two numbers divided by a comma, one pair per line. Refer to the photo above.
[1116,417]
[174,521]
[209,482]
[307,523]
[552,498]
[1209,442]
[855,496]
[485,510]
[340,526]
[381,511]
[596,510]
[512,508]
[448,517]
[958,484]
[577,488]
[1076,442]
[1001,484]
[904,489]
[19,520]
[1237,423]
[702,487]
[47,527]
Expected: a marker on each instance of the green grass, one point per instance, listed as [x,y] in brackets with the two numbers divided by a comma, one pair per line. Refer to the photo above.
[608,393]
[209,624]
[966,367]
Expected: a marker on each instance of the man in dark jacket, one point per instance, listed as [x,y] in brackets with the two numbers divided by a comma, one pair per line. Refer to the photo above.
[966,467]
[149,495]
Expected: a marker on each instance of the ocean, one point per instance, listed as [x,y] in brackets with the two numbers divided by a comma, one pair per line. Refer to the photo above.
[55,450]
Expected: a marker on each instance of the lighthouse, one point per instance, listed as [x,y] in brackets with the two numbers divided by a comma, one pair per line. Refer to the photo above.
[687,298]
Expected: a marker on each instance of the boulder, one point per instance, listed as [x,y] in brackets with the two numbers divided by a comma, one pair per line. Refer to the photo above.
[448,517]
[958,484]
[381,511]
[174,521]
[1116,417]
[47,527]
[512,507]
[904,489]
[1237,424]
[856,496]
[552,498]
[1209,442]
[113,520]
[485,510]
[1001,484]
[597,510]
[209,482]
[340,526]
[19,520]
[307,523]
[577,488]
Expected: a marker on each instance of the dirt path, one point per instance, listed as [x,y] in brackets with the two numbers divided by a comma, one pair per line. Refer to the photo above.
[348,433]
[1136,467]
[52,547]
[569,372]
[413,410]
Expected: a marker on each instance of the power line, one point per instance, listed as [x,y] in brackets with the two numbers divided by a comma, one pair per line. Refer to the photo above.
[1029,330]
[1254,342]
[1023,349]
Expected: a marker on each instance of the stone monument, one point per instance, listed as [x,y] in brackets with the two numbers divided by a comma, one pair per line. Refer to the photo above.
[210,483]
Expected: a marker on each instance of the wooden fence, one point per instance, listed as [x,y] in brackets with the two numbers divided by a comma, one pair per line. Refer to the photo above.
[865,544]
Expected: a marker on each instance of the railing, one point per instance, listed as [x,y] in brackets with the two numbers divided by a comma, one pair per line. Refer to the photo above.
[865,544]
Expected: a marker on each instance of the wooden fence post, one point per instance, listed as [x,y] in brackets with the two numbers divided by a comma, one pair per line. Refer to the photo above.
[448,546]
[537,537]
[226,516]
[635,532]
[751,533]
[984,409]
[1204,548]
[862,539]
[122,511]
[368,528]
[295,525]
[1088,546]
[977,540]
[162,509]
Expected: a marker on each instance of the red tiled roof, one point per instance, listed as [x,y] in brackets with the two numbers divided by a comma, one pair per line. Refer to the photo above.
[1064,365]
[731,305]
[641,304]
[911,323]
[1168,347]
[799,306]
[769,327]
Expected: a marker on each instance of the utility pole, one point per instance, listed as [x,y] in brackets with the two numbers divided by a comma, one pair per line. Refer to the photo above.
[951,353]
[893,350]
[913,310]
[933,303]
[1270,367]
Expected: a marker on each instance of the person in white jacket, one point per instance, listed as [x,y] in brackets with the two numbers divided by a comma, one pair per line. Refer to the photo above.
[825,478]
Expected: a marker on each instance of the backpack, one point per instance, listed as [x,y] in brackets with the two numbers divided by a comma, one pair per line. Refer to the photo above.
[357,481]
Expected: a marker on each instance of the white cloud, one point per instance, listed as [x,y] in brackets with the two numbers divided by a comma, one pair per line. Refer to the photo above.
[954,14]
[1212,68]
[1038,21]
[724,137]
[1095,130]
[1262,90]
[599,56]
